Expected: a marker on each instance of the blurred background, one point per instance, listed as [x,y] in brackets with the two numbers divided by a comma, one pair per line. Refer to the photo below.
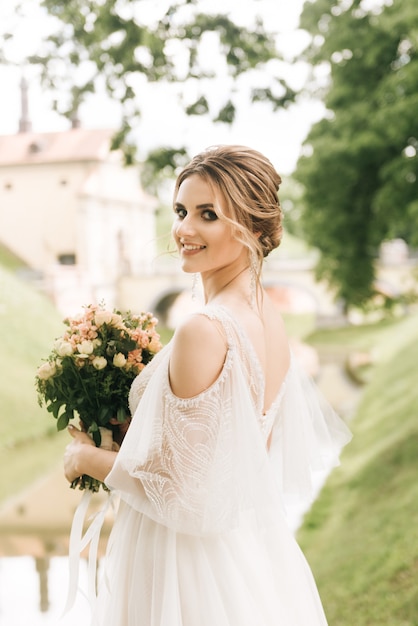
[101,105]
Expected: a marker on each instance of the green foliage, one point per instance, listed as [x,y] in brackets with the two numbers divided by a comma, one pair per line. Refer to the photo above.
[119,44]
[227,113]
[161,165]
[361,535]
[283,99]
[360,171]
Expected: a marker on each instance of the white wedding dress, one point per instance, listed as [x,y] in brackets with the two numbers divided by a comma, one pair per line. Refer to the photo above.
[201,537]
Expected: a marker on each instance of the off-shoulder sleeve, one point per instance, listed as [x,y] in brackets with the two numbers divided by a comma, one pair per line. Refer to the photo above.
[307,438]
[186,462]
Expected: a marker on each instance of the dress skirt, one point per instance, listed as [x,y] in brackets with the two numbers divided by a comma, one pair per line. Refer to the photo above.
[155,576]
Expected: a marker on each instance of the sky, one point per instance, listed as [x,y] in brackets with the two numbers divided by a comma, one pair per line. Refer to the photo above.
[279,135]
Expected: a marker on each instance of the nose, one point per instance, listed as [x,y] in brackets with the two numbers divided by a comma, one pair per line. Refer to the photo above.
[185,227]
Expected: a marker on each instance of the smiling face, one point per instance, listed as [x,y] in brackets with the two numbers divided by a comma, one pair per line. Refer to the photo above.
[204,238]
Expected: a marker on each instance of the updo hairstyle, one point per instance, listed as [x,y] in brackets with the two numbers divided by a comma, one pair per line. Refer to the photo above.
[248,184]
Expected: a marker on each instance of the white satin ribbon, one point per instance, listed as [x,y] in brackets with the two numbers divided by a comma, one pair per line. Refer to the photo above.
[78,543]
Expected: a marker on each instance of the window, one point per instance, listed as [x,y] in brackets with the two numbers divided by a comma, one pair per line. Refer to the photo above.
[69,258]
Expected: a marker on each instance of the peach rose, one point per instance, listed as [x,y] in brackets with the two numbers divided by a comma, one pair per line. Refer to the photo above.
[155,345]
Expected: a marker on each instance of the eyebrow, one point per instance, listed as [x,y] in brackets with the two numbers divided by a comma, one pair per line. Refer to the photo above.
[200,207]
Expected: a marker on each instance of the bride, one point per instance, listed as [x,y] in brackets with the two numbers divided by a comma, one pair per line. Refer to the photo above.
[225,427]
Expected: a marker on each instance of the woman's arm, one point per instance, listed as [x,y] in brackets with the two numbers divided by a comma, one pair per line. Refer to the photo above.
[82,457]
[197,356]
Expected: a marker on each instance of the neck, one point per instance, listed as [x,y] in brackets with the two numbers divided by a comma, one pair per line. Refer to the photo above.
[234,279]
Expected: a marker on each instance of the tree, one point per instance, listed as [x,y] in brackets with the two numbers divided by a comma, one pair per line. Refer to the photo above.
[122,43]
[360,165]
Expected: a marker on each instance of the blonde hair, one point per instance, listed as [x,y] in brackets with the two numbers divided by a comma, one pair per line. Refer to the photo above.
[249,186]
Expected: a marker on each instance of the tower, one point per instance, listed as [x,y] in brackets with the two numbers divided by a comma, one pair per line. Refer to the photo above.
[25,125]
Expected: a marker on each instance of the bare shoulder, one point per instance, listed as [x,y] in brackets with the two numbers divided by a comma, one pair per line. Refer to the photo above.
[198,355]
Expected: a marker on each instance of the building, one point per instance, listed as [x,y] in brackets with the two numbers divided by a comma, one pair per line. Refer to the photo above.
[73,212]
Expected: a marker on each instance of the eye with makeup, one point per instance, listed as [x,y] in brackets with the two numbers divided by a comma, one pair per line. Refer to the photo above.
[180,212]
[209,216]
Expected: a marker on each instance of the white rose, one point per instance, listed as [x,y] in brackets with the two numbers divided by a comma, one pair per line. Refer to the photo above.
[99,362]
[119,360]
[85,347]
[102,317]
[64,348]
[117,320]
[46,371]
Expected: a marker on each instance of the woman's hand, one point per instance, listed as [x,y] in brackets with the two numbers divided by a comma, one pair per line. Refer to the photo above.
[121,430]
[73,453]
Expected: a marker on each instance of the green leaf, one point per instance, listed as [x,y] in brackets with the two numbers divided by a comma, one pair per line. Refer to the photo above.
[54,408]
[62,421]
[97,438]
[121,415]
[104,415]
[200,107]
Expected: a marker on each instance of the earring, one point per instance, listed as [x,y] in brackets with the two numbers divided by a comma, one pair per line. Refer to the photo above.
[253,278]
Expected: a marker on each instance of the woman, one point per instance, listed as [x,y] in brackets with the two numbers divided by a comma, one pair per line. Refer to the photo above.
[224,427]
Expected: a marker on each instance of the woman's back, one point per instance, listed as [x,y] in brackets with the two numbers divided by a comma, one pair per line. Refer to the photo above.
[265,330]
[200,345]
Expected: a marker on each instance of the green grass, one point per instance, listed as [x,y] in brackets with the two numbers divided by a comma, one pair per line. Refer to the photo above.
[9,260]
[21,465]
[361,536]
[300,325]
[28,325]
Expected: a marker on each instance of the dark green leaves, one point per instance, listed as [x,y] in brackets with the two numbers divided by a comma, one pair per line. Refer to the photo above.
[361,180]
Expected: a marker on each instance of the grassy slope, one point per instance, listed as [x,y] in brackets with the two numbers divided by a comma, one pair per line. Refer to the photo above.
[28,325]
[361,537]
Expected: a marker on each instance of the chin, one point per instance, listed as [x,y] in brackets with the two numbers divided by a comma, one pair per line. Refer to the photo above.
[188,270]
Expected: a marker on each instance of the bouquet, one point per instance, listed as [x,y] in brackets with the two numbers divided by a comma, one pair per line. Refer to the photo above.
[90,371]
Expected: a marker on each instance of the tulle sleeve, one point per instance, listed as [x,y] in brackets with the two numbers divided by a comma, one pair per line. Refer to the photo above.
[201,465]
[307,438]
[189,463]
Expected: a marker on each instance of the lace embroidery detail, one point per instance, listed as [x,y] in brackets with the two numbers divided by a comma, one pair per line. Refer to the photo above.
[247,354]
[140,382]
[178,475]
[188,403]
